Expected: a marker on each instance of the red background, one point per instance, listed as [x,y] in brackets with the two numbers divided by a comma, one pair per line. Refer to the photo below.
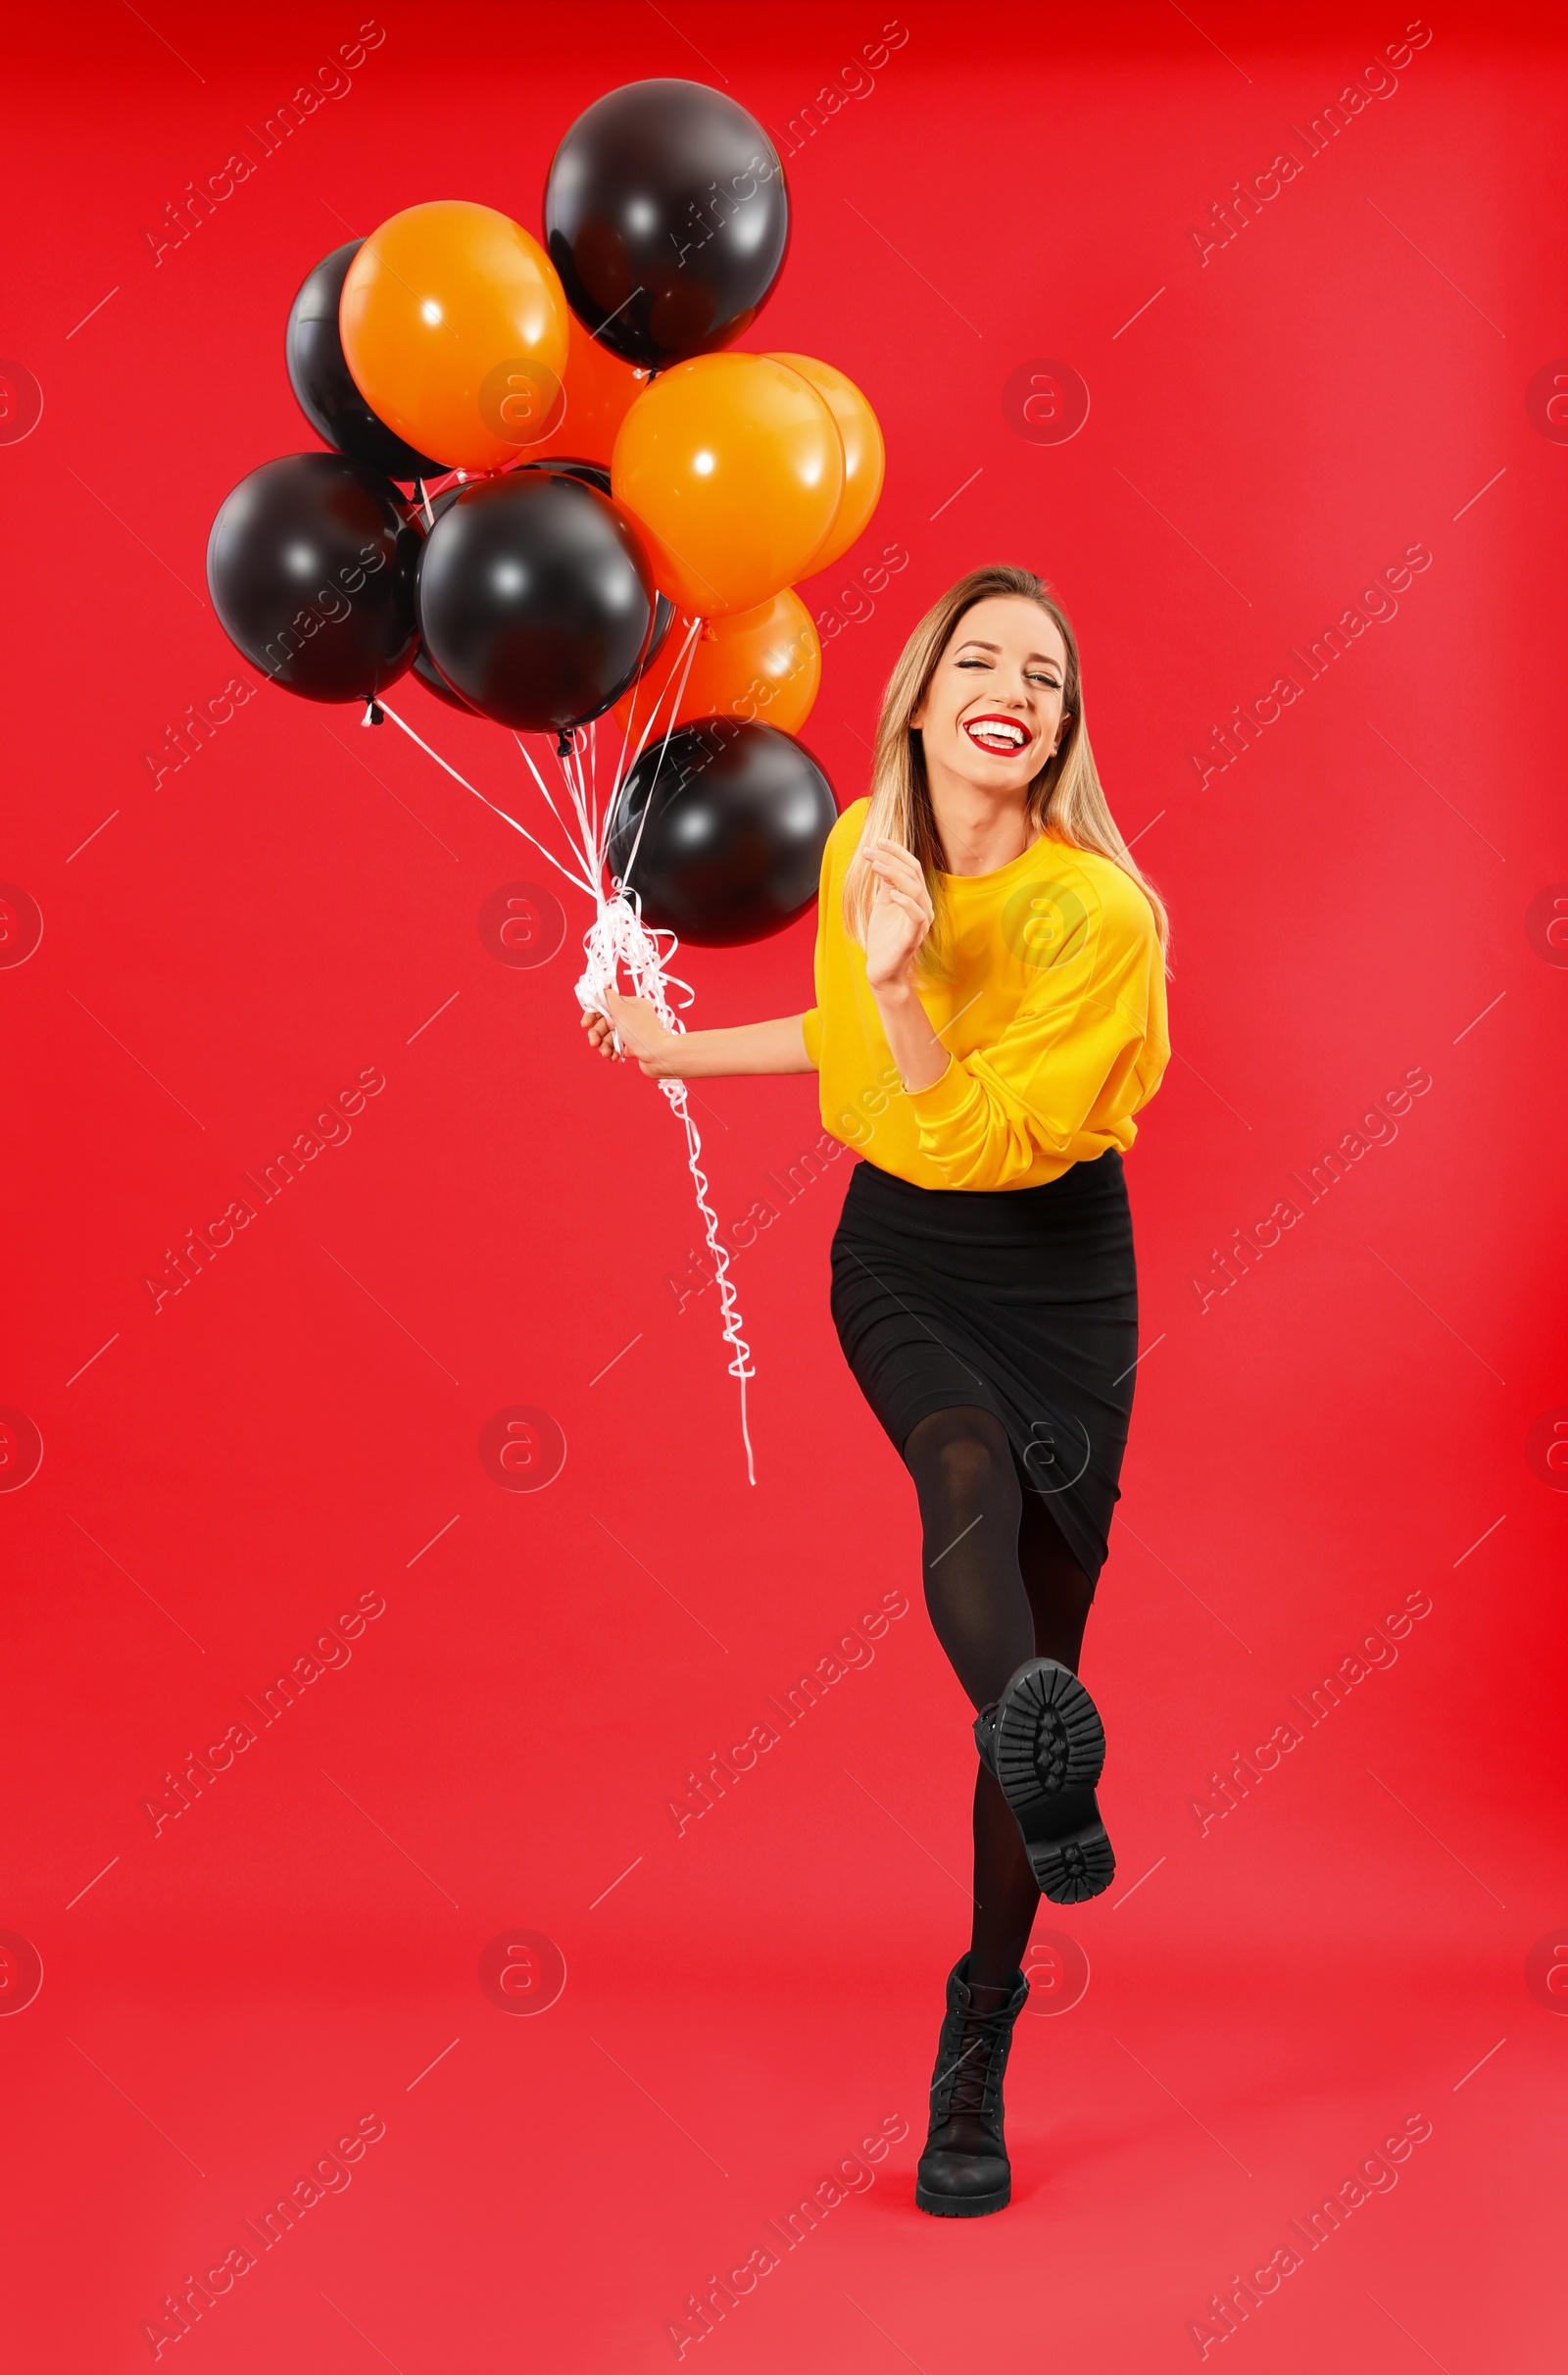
[1352,1422]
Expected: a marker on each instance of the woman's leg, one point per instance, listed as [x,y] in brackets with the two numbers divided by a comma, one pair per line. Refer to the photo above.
[1001,1586]
[1007,1892]
[1059,1592]
[971,1509]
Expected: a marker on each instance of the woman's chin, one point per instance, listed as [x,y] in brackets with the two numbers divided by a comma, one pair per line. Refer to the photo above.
[988,773]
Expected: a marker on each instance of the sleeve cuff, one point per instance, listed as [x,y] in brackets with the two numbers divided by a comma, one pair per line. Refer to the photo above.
[812,1033]
[945,1100]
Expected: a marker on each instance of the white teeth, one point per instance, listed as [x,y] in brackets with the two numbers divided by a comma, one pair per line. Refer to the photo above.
[998,736]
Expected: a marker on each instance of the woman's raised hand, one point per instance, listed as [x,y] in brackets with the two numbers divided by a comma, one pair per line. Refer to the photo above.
[900,918]
[642,1035]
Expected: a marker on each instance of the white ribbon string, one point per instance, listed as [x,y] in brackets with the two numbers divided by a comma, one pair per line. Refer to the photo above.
[619,937]
[389,712]
[630,752]
[688,655]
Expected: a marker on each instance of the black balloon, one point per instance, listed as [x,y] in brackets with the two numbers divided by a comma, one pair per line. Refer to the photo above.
[312,565]
[593,473]
[663,620]
[666,217]
[324,386]
[590,473]
[424,668]
[430,676]
[737,817]
[536,599]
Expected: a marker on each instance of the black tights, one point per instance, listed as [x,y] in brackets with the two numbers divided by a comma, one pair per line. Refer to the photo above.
[1001,1586]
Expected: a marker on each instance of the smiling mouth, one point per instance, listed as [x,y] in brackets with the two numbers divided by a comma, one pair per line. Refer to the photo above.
[1001,737]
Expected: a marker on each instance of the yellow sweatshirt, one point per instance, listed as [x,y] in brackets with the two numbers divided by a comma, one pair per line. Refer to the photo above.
[1053,1012]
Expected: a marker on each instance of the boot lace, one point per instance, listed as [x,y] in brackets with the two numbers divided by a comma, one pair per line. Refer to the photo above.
[970,2081]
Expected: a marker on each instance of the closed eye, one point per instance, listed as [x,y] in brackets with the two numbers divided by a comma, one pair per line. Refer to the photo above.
[1053,683]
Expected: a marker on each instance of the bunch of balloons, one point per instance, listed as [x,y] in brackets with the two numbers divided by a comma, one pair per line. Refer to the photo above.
[608,505]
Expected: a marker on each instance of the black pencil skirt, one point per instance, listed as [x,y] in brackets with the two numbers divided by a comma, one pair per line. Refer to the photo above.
[1021,1301]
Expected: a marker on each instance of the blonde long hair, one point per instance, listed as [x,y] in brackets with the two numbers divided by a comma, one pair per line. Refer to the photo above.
[1065,798]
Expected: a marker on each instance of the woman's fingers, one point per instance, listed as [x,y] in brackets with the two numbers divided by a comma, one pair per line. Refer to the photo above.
[893,879]
[601,1034]
[634,1019]
[918,919]
[911,885]
[899,923]
[902,862]
[908,878]
[634,1022]
[892,853]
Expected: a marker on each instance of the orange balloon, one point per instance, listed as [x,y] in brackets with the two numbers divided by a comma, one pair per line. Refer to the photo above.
[864,456]
[598,393]
[734,465]
[763,665]
[454,323]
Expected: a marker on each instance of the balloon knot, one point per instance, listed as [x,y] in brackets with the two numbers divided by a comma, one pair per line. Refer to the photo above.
[564,743]
[375,713]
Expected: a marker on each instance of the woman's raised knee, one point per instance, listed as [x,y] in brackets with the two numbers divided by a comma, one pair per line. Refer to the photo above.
[963,1465]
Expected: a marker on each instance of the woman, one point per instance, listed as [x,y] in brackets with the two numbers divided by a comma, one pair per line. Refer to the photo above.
[991,1014]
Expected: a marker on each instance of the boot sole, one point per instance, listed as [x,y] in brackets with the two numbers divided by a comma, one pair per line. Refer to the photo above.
[1051,1751]
[961,2206]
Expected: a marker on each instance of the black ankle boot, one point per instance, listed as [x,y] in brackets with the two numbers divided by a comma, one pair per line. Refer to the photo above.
[964,2171]
[1044,1743]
